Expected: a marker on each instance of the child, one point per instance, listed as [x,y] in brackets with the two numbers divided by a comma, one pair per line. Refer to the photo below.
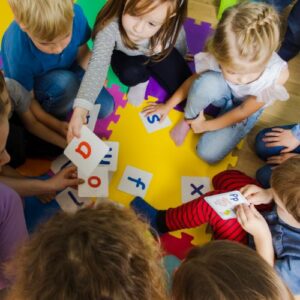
[45,53]
[275,145]
[9,176]
[281,225]
[137,37]
[239,76]
[12,223]
[229,271]
[101,253]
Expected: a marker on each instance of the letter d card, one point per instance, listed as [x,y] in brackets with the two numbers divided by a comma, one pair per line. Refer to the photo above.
[87,151]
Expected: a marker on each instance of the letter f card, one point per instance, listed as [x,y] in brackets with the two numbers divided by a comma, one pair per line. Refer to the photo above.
[87,151]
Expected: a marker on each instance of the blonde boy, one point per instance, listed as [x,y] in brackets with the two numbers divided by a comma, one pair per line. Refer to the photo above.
[44,50]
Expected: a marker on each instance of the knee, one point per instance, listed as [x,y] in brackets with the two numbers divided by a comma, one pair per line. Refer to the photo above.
[106,100]
[263,176]
[133,75]
[209,155]
[57,84]
[260,146]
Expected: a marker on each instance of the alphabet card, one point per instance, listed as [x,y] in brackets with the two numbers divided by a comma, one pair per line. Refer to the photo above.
[95,185]
[225,203]
[135,181]
[93,117]
[193,187]
[69,200]
[87,151]
[60,163]
[110,160]
[152,123]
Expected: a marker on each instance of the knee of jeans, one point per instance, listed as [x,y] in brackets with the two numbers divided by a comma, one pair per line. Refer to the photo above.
[263,176]
[133,75]
[260,146]
[58,84]
[106,100]
[209,154]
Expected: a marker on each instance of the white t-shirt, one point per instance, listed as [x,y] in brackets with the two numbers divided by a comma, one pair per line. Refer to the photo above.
[265,88]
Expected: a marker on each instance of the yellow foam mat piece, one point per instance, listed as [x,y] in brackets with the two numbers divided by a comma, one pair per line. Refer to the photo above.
[157,154]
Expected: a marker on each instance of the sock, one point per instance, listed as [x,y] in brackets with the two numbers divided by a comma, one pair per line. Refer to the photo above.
[179,132]
[156,218]
[136,94]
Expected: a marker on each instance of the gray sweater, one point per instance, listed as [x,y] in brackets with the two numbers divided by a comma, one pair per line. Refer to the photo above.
[108,39]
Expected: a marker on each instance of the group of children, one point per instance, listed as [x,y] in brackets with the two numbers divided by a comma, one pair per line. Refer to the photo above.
[106,253]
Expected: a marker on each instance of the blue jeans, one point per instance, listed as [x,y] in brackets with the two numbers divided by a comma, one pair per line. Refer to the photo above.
[263,175]
[211,88]
[57,89]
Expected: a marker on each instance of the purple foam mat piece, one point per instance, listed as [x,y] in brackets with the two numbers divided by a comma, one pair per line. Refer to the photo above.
[196,36]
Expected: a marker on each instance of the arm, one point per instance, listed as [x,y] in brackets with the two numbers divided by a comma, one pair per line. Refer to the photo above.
[83,56]
[48,120]
[236,115]
[180,95]
[35,187]
[255,224]
[34,126]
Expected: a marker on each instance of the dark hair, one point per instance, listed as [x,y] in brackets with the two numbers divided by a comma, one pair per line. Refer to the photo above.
[226,270]
[166,36]
[101,253]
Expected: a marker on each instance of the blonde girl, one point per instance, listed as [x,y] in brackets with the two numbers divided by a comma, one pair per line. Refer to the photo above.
[138,38]
[239,76]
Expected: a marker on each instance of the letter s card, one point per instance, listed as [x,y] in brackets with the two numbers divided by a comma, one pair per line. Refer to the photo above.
[87,151]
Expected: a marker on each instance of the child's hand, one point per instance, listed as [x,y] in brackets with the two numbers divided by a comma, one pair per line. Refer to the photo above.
[279,159]
[189,57]
[257,195]
[281,137]
[65,178]
[157,108]
[252,221]
[199,124]
[76,122]
[46,198]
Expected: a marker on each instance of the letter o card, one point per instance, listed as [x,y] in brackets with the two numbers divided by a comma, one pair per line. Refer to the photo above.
[95,185]
[87,151]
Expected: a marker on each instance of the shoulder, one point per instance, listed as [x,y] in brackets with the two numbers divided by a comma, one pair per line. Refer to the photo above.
[8,193]
[111,30]
[78,13]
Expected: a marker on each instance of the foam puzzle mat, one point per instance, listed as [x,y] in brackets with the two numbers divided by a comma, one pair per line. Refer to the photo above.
[155,152]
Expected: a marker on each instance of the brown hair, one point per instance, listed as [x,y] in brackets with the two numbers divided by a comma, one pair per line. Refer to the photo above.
[166,36]
[101,253]
[4,99]
[44,19]
[226,270]
[247,33]
[285,181]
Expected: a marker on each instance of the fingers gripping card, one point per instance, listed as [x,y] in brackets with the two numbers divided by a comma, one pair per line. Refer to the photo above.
[87,151]
[224,204]
[95,185]
[152,123]
[135,181]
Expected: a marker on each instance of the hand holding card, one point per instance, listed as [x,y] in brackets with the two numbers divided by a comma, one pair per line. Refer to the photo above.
[224,204]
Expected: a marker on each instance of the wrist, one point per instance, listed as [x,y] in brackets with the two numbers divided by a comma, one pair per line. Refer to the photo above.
[79,111]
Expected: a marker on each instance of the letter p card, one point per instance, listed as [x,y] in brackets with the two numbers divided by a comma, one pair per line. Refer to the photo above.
[87,151]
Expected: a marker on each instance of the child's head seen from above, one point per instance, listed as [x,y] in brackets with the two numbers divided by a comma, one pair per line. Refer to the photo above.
[285,181]
[158,20]
[244,41]
[5,107]
[48,23]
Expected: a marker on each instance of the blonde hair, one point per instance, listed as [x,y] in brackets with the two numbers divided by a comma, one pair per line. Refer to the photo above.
[247,33]
[44,19]
[166,36]
[285,181]
[226,270]
[101,253]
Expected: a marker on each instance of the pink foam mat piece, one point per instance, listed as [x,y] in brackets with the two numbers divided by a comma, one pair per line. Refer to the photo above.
[101,128]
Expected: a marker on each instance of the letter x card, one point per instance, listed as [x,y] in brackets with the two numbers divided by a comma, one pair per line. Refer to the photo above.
[87,151]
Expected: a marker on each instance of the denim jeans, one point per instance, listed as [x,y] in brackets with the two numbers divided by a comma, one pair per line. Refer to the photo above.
[57,89]
[211,88]
[263,174]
